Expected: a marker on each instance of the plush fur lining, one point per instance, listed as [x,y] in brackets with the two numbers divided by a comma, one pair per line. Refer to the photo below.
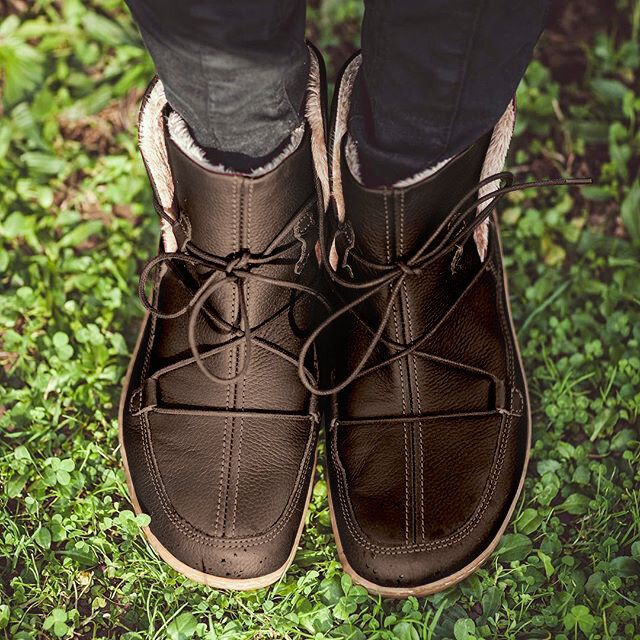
[493,163]
[180,134]
[422,175]
[315,118]
[154,153]
[153,149]
[352,157]
[342,114]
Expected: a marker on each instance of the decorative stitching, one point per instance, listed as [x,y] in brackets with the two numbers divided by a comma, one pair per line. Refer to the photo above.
[182,524]
[152,335]
[222,508]
[387,225]
[244,380]
[503,440]
[196,534]
[415,370]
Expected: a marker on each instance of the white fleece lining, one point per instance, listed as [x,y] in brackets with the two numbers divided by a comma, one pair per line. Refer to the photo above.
[493,162]
[154,153]
[315,118]
[153,148]
[422,175]
[180,134]
[342,113]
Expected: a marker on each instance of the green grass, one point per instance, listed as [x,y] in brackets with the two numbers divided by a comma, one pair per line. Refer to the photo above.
[75,224]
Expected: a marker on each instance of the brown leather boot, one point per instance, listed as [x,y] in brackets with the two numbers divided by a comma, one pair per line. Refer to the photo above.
[218,434]
[429,422]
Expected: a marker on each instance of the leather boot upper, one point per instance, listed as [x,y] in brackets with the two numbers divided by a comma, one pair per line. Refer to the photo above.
[429,432]
[219,433]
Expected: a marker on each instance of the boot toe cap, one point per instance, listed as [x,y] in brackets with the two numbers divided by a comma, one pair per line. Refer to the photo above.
[221,541]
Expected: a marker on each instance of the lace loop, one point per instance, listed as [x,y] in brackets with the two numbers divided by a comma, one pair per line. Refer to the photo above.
[235,270]
[452,233]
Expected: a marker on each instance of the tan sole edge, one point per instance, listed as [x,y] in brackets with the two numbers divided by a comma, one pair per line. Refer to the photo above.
[467,570]
[217,582]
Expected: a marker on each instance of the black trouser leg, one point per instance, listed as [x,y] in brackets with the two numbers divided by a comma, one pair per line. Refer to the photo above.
[235,70]
[435,76]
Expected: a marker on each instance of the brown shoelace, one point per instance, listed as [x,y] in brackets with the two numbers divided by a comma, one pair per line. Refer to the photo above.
[453,232]
[237,270]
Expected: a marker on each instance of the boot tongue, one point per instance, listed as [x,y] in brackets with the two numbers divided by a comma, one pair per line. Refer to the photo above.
[228,212]
[395,221]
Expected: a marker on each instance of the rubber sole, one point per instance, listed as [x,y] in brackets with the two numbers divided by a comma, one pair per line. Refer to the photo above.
[217,582]
[448,581]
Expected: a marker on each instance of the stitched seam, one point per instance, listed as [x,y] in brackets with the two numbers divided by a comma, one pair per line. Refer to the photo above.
[469,526]
[224,446]
[244,380]
[221,508]
[401,368]
[190,530]
[136,397]
[238,223]
[405,427]
[235,501]
[415,372]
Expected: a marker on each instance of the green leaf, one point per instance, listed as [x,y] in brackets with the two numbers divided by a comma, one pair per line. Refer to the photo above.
[576,504]
[330,590]
[21,453]
[21,65]
[56,621]
[14,225]
[514,546]
[630,212]
[143,520]
[318,621]
[62,477]
[38,162]
[81,553]
[5,615]
[67,464]
[546,563]
[464,629]
[346,583]
[182,627]
[611,91]
[43,537]
[16,485]
[625,566]
[491,600]
[405,631]
[81,233]
[103,29]
[472,586]
[345,608]
[60,340]
[580,616]
[529,521]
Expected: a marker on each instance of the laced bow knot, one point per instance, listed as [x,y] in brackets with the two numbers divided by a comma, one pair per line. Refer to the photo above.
[235,269]
[238,262]
[451,234]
